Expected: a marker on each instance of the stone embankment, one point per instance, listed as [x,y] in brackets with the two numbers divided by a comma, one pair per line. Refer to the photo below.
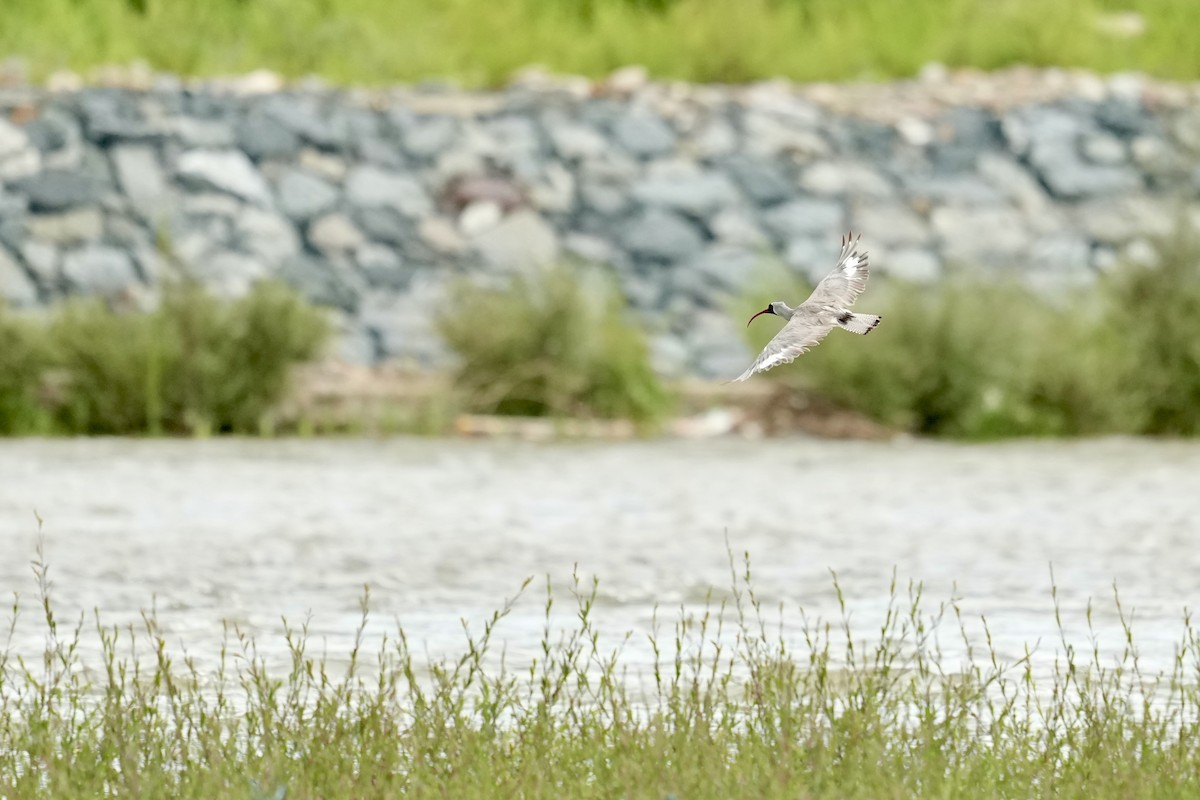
[370,201]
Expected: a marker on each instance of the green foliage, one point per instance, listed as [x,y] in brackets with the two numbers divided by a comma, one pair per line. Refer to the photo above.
[555,342]
[22,361]
[1156,313]
[979,360]
[194,365]
[729,707]
[376,41]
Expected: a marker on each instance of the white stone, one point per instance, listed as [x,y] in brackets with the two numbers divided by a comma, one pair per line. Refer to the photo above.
[335,233]
[228,171]
[522,240]
[479,216]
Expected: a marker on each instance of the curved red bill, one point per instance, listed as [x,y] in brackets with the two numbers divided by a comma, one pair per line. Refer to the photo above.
[759,314]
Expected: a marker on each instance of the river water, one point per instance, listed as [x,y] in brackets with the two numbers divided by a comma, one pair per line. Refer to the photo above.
[251,531]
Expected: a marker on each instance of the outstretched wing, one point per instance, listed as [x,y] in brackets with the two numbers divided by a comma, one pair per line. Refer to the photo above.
[840,288]
[798,336]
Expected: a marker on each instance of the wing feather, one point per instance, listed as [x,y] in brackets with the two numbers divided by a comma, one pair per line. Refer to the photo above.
[798,336]
[841,287]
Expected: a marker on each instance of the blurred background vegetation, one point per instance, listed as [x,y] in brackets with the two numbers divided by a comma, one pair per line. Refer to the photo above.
[984,360]
[381,41]
[195,365]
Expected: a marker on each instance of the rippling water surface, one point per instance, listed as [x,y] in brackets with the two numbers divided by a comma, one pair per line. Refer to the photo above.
[252,531]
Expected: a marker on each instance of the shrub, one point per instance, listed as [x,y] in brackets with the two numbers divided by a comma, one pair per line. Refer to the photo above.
[23,353]
[970,359]
[1155,312]
[194,365]
[551,343]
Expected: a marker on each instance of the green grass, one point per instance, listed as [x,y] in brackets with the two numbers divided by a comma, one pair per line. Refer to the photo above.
[194,365]
[729,709]
[381,41]
[977,360]
[554,342]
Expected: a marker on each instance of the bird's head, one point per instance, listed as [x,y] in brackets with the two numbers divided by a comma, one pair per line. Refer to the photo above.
[776,308]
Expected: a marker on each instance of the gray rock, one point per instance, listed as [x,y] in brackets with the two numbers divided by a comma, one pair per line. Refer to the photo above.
[736,226]
[228,171]
[210,204]
[18,158]
[1117,219]
[17,290]
[230,274]
[1103,148]
[385,225]
[1052,150]
[1162,163]
[977,237]
[54,190]
[381,152]
[1018,186]
[719,270]
[717,347]
[320,282]
[111,115]
[325,128]
[522,239]
[369,186]
[956,190]
[575,142]
[716,138]
[404,324]
[767,135]
[805,217]
[1185,126]
[889,224]
[49,132]
[643,134]
[265,139]
[203,133]
[660,235]
[425,138]
[1126,117]
[99,270]
[335,233]
[383,268]
[588,248]
[763,180]
[42,260]
[668,355]
[914,264]
[1060,253]
[699,194]
[303,195]
[270,238]
[845,177]
[810,257]
[140,177]
[69,227]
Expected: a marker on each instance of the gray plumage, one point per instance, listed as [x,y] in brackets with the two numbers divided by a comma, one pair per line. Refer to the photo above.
[827,307]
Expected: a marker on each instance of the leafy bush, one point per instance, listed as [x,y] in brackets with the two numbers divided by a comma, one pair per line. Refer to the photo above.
[977,360]
[551,343]
[194,365]
[23,353]
[1155,312]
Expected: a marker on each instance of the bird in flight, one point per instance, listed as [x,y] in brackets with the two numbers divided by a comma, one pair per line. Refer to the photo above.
[828,306]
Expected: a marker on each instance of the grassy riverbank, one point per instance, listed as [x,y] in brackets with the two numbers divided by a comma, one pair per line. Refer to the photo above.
[729,710]
[961,360]
[380,41]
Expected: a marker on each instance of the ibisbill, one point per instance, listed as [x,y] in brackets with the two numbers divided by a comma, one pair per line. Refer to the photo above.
[828,307]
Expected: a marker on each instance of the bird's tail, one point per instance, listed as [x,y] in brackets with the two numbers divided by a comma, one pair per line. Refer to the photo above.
[858,323]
